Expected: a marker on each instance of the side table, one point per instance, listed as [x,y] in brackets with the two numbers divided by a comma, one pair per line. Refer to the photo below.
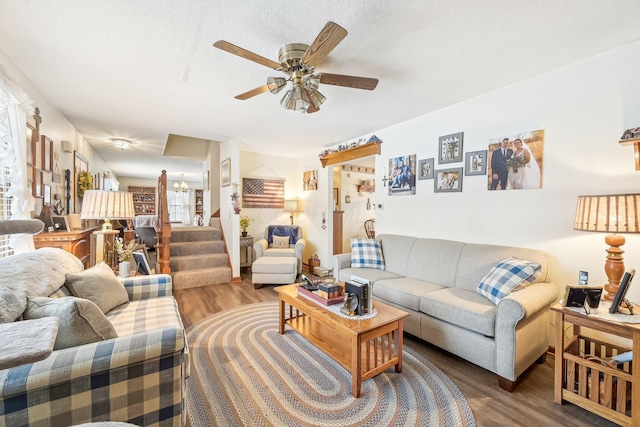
[246,243]
[612,393]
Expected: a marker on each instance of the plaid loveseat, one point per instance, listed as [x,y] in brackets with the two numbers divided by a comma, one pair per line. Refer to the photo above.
[138,377]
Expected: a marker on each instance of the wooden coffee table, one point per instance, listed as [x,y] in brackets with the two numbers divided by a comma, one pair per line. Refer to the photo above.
[364,347]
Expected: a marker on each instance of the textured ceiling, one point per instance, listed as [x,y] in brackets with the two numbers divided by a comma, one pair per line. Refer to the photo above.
[145,69]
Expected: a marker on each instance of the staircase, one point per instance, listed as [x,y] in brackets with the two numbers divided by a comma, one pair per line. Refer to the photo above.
[198,257]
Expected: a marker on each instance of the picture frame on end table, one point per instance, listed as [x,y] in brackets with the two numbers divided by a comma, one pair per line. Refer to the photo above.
[448,181]
[225,173]
[475,163]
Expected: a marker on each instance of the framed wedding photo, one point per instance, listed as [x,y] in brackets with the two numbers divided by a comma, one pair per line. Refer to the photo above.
[476,163]
[425,168]
[450,148]
[225,173]
[448,181]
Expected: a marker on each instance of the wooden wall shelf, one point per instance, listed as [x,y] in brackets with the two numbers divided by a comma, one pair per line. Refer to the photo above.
[366,188]
[363,150]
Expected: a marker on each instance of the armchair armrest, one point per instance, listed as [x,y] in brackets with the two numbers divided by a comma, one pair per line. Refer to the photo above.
[299,248]
[144,287]
[259,247]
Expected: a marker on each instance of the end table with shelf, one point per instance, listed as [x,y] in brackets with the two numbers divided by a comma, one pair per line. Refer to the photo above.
[580,378]
[246,244]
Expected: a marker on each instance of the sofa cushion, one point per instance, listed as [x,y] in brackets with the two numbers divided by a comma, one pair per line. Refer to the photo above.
[280,241]
[366,253]
[396,250]
[282,252]
[100,285]
[372,274]
[506,276]
[404,291]
[27,341]
[145,315]
[434,260]
[81,321]
[462,308]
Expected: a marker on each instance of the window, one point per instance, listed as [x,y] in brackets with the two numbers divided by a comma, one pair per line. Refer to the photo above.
[175,200]
[5,210]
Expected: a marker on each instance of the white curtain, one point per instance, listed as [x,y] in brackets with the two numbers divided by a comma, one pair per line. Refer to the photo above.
[15,105]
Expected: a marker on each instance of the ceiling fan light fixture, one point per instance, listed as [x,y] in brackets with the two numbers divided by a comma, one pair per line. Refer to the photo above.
[276,84]
[123,144]
[316,98]
[296,99]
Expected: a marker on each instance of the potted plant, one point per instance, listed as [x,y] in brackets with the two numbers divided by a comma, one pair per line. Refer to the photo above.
[244,224]
[125,256]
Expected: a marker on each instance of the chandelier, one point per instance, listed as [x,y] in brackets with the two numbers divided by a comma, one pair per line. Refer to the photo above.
[183,186]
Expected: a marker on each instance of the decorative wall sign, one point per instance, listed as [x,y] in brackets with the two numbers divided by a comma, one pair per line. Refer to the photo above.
[475,163]
[448,181]
[361,169]
[516,161]
[310,180]
[402,175]
[262,193]
[450,148]
[425,169]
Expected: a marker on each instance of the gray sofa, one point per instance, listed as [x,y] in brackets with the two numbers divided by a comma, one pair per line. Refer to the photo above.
[435,281]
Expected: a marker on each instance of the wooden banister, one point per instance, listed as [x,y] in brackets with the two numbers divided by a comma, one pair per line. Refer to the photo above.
[163,231]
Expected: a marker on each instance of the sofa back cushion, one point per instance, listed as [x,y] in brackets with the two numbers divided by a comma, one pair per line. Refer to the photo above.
[476,260]
[435,261]
[396,250]
[36,273]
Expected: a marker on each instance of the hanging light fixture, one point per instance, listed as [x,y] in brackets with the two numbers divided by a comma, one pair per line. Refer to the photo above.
[123,144]
[183,186]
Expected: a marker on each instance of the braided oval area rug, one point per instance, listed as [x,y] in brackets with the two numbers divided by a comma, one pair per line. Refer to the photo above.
[244,373]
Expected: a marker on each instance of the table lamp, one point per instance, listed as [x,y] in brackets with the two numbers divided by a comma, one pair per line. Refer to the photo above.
[106,205]
[612,213]
[291,206]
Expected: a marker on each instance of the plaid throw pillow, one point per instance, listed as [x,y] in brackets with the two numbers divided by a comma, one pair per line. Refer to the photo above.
[366,253]
[508,275]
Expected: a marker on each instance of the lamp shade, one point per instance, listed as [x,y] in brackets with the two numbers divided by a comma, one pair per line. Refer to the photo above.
[613,213]
[291,206]
[100,204]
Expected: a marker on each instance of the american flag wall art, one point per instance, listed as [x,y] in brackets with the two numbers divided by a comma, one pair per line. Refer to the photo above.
[262,193]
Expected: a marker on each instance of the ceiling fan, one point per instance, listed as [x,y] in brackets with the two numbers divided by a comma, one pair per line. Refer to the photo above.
[298,62]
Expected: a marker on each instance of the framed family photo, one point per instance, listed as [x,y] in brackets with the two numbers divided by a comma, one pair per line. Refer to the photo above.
[448,181]
[402,175]
[225,173]
[425,168]
[476,163]
[450,148]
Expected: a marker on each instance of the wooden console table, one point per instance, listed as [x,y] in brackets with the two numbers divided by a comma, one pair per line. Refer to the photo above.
[76,242]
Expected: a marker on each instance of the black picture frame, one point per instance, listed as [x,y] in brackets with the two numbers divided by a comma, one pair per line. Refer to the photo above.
[622,291]
[142,263]
[60,223]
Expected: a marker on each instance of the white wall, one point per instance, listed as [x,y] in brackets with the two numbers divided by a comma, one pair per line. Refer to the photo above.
[355,213]
[584,109]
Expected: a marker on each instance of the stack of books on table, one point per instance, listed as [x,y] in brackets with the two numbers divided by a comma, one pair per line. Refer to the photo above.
[361,288]
[324,293]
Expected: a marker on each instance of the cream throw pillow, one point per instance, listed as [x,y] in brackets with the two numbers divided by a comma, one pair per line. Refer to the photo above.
[280,241]
[100,285]
[81,321]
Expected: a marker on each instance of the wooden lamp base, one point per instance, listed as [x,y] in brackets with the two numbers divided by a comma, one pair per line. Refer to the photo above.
[614,266]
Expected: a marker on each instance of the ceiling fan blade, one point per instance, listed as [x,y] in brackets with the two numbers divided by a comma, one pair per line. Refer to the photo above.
[231,48]
[312,109]
[355,82]
[329,37]
[252,92]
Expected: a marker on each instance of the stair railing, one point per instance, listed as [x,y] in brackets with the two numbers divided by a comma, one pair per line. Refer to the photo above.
[163,227]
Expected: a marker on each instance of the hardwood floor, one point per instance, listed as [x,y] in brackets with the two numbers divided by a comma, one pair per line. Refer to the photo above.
[531,404]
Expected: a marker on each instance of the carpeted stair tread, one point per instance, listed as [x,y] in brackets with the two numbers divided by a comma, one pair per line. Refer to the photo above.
[201,277]
[194,248]
[195,234]
[194,262]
